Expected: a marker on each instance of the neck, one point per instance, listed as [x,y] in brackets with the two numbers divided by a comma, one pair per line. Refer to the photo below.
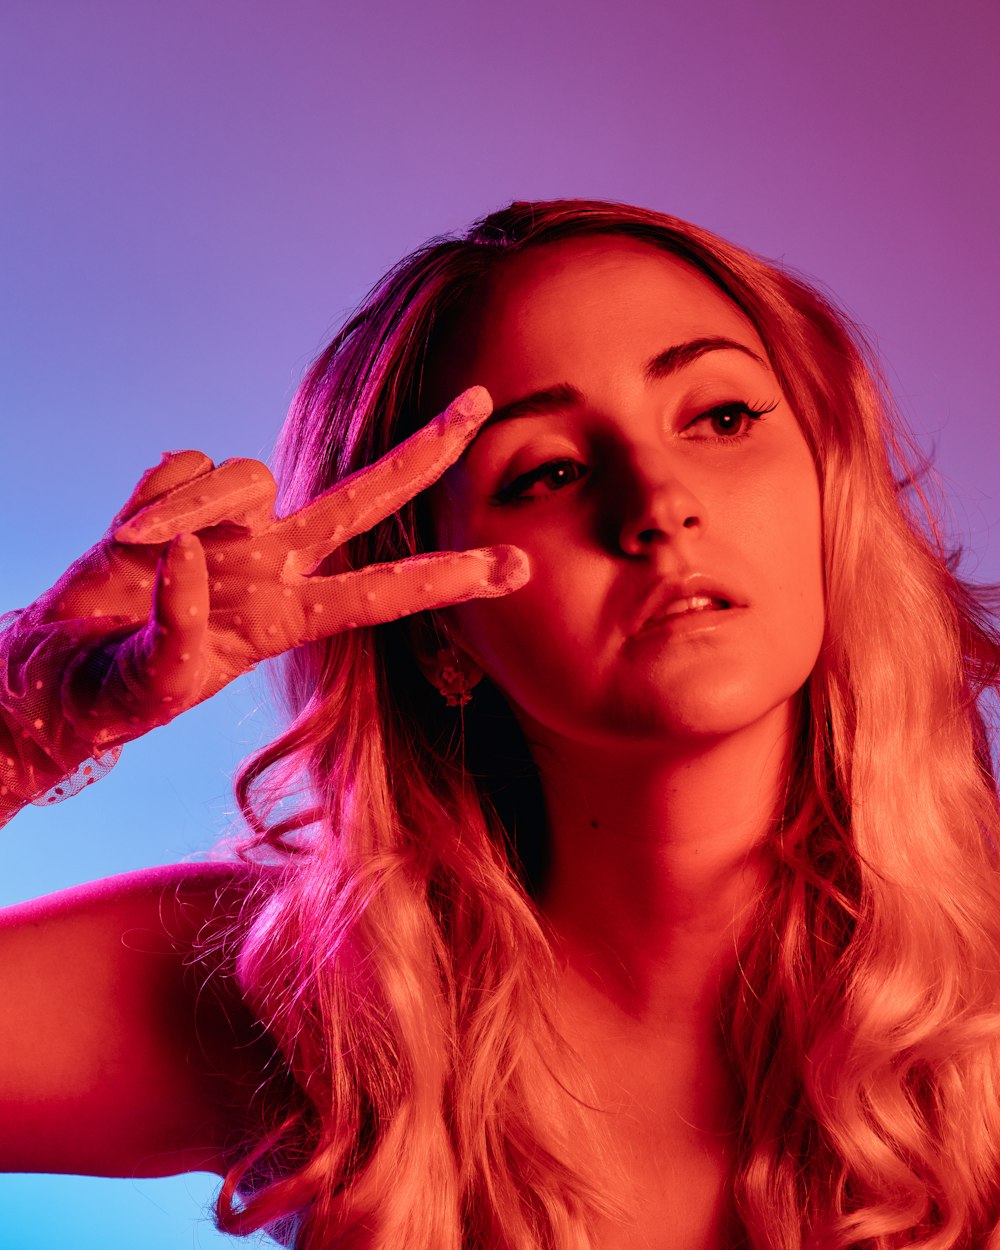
[656,861]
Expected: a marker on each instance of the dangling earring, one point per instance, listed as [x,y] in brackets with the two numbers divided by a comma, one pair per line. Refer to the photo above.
[451,679]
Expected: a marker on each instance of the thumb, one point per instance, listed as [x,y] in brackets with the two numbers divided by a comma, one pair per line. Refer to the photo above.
[169,664]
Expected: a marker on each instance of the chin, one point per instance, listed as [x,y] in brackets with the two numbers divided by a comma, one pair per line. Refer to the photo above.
[707,716]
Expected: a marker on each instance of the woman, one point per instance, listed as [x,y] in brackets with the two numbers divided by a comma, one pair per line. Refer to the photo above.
[640,893]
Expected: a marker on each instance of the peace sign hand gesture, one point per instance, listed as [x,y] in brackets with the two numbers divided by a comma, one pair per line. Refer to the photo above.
[196,581]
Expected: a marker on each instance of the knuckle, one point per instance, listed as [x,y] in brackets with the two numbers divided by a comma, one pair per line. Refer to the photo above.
[247,469]
[189,462]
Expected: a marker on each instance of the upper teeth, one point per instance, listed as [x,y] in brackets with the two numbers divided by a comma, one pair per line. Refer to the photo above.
[693,604]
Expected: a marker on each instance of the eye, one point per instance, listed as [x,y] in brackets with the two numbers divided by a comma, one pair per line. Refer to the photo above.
[514,490]
[736,413]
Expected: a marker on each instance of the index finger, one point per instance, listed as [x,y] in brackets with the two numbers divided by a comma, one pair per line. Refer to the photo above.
[378,490]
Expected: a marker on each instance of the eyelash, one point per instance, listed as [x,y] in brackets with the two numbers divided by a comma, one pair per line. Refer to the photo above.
[513,492]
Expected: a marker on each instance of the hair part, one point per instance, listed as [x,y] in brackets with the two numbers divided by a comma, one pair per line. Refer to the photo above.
[401,962]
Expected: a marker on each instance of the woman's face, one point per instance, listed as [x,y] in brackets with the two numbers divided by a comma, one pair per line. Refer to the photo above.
[648,488]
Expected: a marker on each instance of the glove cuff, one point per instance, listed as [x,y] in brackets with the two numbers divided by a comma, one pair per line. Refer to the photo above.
[38,763]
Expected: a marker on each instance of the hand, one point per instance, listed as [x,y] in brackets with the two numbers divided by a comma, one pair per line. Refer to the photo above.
[196,581]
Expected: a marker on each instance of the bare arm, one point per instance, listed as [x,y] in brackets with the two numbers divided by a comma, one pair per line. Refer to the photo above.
[111,1061]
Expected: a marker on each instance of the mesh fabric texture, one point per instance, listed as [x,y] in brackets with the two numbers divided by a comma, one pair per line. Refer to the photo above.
[195,582]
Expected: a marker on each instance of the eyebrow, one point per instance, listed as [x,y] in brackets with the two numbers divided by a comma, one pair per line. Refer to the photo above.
[563,395]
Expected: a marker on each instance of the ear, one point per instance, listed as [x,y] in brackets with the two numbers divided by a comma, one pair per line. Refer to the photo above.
[427,637]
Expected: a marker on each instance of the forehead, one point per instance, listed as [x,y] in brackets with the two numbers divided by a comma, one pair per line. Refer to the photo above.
[574,304]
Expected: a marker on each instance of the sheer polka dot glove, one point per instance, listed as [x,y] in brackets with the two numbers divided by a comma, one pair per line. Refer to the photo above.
[195,582]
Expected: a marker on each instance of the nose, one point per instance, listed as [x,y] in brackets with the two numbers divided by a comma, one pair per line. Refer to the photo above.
[658,504]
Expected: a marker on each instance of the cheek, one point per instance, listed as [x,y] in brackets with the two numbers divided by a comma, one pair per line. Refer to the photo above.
[539,643]
[802,577]
[783,541]
[515,632]
[791,512]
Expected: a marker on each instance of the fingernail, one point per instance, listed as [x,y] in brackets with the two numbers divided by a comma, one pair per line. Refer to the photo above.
[473,403]
[184,544]
[468,409]
[137,531]
[510,567]
[127,533]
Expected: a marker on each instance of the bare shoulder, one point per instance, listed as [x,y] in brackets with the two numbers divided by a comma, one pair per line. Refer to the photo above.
[202,884]
[120,1009]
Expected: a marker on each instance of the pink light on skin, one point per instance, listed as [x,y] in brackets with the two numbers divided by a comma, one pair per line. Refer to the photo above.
[661,754]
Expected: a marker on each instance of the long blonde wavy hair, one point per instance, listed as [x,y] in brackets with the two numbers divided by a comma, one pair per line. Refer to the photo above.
[400,962]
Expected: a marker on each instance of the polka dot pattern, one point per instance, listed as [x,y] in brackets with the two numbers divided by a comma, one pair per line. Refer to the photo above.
[136,631]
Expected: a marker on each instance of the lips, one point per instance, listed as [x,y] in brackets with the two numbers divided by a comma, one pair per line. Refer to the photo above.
[697,603]
[692,585]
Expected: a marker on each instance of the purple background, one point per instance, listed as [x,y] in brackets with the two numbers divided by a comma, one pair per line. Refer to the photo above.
[195,195]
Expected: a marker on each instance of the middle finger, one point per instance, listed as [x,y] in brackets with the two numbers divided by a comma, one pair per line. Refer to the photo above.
[371,494]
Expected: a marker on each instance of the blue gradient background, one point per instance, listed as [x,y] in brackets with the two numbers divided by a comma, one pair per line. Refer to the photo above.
[195,195]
